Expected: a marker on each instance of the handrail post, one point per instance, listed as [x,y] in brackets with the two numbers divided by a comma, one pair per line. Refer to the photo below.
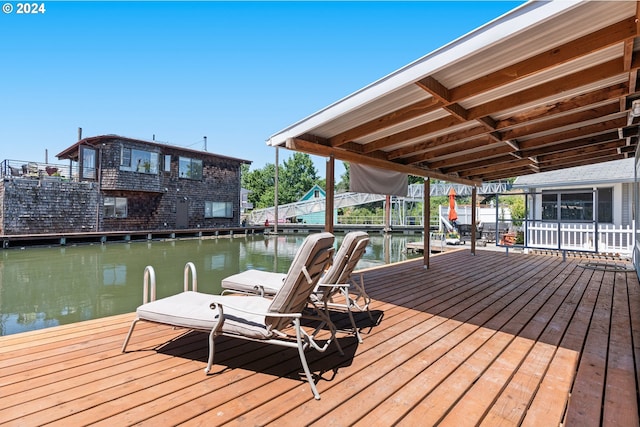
[149,280]
[194,278]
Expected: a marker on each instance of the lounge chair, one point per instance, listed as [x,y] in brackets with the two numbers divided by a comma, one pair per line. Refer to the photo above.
[250,317]
[333,287]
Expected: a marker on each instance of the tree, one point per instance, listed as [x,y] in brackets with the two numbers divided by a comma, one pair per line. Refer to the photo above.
[517,207]
[297,176]
[261,183]
[416,179]
[343,184]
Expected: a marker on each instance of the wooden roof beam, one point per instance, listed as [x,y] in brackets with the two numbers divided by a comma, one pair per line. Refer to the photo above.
[412,133]
[592,150]
[439,91]
[567,135]
[570,144]
[561,121]
[610,93]
[471,164]
[585,45]
[581,78]
[464,160]
[506,166]
[308,147]
[412,111]
[550,88]
[433,143]
[579,101]
[580,159]
[465,148]
[608,36]
[628,60]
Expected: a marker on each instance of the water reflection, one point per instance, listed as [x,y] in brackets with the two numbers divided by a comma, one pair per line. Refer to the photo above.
[44,287]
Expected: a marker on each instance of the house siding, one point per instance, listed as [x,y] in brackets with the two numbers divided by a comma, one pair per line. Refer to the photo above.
[36,206]
[53,205]
[627,200]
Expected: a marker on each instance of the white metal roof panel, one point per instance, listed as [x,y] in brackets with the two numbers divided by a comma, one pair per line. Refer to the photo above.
[516,21]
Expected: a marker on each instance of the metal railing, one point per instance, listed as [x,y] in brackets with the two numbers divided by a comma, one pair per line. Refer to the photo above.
[29,169]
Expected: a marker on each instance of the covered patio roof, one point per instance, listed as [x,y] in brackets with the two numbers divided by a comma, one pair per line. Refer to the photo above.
[547,86]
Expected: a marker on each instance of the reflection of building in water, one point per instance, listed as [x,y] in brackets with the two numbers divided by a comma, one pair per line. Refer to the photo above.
[44,287]
[383,249]
[218,261]
[114,274]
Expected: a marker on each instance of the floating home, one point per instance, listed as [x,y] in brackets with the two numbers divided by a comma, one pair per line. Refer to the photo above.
[115,184]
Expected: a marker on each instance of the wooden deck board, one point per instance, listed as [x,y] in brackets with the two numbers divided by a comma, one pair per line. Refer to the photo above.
[489,339]
[621,405]
[484,390]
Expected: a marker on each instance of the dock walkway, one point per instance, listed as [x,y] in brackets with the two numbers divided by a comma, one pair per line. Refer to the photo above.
[486,339]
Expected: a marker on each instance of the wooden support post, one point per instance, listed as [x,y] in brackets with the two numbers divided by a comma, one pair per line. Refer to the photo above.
[387,214]
[329,199]
[474,196]
[275,198]
[426,221]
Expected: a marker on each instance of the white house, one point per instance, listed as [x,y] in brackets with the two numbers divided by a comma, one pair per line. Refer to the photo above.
[581,202]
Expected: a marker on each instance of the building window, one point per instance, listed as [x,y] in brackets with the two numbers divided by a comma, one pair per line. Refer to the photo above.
[115,207]
[578,206]
[139,161]
[88,163]
[167,163]
[125,158]
[190,168]
[605,205]
[218,210]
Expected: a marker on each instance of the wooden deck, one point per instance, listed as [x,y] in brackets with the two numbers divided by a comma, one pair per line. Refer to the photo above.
[488,340]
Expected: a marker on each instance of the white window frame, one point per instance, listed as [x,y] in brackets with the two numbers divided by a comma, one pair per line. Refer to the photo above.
[218,209]
[115,207]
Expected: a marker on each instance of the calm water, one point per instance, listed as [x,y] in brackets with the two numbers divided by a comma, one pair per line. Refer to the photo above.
[44,287]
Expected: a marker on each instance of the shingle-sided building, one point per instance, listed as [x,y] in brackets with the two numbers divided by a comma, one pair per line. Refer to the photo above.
[115,183]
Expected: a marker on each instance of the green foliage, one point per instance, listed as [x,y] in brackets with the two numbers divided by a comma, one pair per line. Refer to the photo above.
[516,206]
[436,202]
[295,177]
[343,184]
[261,183]
[415,179]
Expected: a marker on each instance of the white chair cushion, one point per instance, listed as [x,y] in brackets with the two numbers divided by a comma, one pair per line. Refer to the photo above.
[247,281]
[192,310]
[187,309]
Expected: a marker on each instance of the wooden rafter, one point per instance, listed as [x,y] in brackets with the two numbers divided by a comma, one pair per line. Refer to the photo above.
[567,102]
[407,113]
[553,57]
[308,147]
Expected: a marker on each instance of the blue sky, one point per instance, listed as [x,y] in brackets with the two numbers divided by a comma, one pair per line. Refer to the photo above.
[235,72]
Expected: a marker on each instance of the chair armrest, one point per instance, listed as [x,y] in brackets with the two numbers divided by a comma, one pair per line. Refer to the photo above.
[219,306]
[334,285]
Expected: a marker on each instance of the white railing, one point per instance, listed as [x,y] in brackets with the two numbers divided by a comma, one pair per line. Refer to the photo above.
[581,237]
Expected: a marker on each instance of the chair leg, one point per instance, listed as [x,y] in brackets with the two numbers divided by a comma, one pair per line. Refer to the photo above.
[303,359]
[126,340]
[325,317]
[214,333]
[212,336]
[360,293]
[347,299]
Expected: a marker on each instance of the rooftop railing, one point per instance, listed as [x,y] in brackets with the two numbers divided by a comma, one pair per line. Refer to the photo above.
[36,170]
